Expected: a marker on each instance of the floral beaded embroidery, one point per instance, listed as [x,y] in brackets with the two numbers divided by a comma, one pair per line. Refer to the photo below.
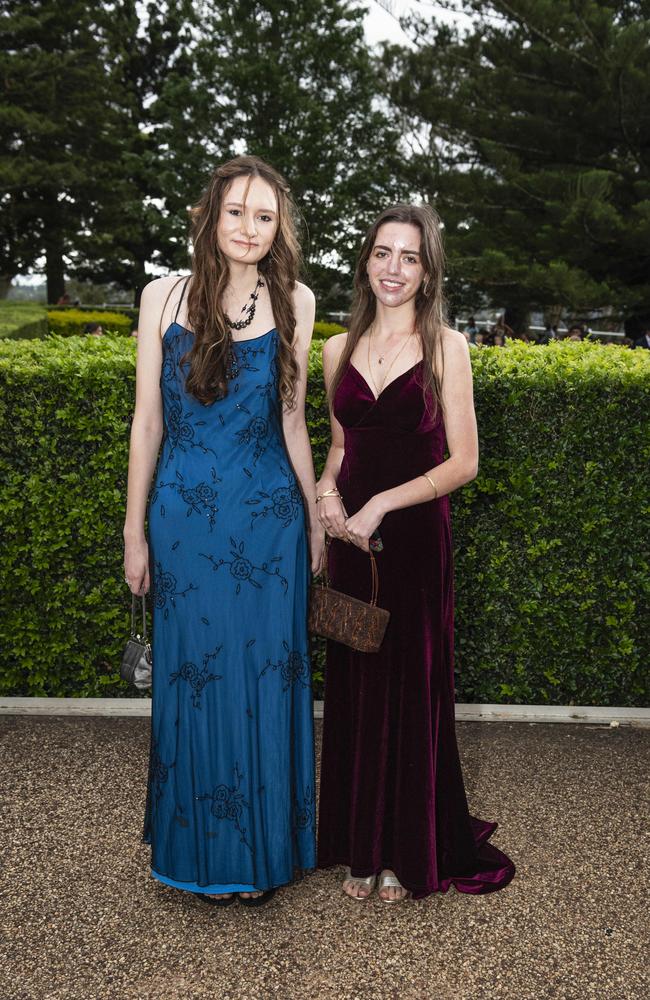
[164,586]
[197,679]
[202,498]
[304,811]
[181,432]
[256,430]
[243,570]
[158,772]
[284,502]
[228,803]
[294,669]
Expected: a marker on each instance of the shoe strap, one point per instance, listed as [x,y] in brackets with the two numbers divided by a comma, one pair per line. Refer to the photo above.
[368,881]
[389,881]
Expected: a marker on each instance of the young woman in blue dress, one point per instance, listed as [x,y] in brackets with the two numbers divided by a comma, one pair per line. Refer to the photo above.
[221,382]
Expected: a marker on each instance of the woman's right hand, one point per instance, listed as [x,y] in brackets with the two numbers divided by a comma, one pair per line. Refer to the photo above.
[331,514]
[136,566]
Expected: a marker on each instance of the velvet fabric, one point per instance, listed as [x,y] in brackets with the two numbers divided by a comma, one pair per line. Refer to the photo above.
[392,793]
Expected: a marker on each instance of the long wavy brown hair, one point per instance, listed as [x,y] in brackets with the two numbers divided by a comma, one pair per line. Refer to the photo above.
[430,311]
[210,353]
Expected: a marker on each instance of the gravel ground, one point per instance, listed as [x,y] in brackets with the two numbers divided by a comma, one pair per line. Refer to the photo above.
[83,920]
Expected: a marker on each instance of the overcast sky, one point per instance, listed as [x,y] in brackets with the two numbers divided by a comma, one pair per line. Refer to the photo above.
[380,25]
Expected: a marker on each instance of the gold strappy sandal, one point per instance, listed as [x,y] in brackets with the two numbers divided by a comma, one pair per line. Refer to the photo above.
[392,882]
[368,883]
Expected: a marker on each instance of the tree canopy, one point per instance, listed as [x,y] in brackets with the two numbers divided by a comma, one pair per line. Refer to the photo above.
[531,132]
[110,156]
[58,150]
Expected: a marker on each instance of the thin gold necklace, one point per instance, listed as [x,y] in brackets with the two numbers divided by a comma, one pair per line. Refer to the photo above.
[381,361]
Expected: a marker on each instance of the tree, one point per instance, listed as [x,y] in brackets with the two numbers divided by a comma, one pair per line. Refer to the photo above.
[124,108]
[56,133]
[164,158]
[532,134]
[294,82]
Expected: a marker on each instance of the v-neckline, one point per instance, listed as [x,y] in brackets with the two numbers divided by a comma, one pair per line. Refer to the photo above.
[386,387]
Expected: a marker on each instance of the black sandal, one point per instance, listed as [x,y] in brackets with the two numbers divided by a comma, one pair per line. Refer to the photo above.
[258,900]
[224,901]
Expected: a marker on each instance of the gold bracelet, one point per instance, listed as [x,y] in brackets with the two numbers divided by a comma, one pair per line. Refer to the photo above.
[328,493]
[435,488]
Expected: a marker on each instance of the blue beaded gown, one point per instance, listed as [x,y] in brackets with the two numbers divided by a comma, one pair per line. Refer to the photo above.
[231,796]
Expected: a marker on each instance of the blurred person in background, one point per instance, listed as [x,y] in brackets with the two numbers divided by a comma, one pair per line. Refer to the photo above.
[471,329]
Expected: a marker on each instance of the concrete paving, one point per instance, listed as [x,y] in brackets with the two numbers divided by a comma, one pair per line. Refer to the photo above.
[83,920]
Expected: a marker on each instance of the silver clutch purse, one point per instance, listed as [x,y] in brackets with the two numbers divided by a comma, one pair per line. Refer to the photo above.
[137,663]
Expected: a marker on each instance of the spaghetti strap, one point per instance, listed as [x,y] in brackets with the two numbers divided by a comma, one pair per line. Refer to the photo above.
[180,301]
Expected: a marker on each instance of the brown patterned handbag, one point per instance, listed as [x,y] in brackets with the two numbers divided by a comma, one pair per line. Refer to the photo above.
[346,619]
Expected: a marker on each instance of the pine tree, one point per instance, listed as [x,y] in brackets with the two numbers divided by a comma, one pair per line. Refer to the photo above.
[57,133]
[120,111]
[536,146]
[164,158]
[293,81]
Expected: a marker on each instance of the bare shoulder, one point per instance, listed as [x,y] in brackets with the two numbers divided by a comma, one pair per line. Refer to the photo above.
[303,299]
[457,369]
[333,347]
[157,291]
[454,345]
[159,301]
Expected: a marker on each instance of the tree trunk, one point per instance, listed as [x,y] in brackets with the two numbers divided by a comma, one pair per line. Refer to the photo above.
[516,317]
[5,284]
[633,327]
[54,267]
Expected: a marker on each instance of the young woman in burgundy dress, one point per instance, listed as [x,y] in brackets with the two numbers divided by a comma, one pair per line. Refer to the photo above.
[392,804]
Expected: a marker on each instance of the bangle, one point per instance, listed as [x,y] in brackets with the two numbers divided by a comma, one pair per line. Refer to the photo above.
[328,493]
[435,488]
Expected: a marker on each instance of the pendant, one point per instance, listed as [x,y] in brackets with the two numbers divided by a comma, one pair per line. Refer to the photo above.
[248,310]
[232,368]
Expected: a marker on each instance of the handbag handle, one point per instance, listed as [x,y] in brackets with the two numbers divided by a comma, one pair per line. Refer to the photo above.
[135,634]
[324,580]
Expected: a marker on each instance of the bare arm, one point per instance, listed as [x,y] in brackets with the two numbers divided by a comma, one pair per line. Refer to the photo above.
[294,424]
[331,512]
[146,435]
[462,443]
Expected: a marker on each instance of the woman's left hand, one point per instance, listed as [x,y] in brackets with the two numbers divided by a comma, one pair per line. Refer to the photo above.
[316,547]
[362,524]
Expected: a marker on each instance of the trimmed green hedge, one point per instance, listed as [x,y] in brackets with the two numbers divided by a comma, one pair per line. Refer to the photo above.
[324,330]
[71,322]
[22,320]
[552,566]
[28,320]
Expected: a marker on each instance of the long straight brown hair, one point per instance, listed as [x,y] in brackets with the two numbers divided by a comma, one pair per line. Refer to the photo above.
[210,353]
[430,312]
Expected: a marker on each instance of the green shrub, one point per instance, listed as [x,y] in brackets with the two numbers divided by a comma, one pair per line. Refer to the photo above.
[71,322]
[22,320]
[121,310]
[552,573]
[324,330]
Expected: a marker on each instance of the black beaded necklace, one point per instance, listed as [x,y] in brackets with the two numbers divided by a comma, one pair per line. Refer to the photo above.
[247,314]
[248,310]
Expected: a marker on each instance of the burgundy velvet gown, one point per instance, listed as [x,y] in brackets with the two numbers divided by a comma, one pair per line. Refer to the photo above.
[392,793]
